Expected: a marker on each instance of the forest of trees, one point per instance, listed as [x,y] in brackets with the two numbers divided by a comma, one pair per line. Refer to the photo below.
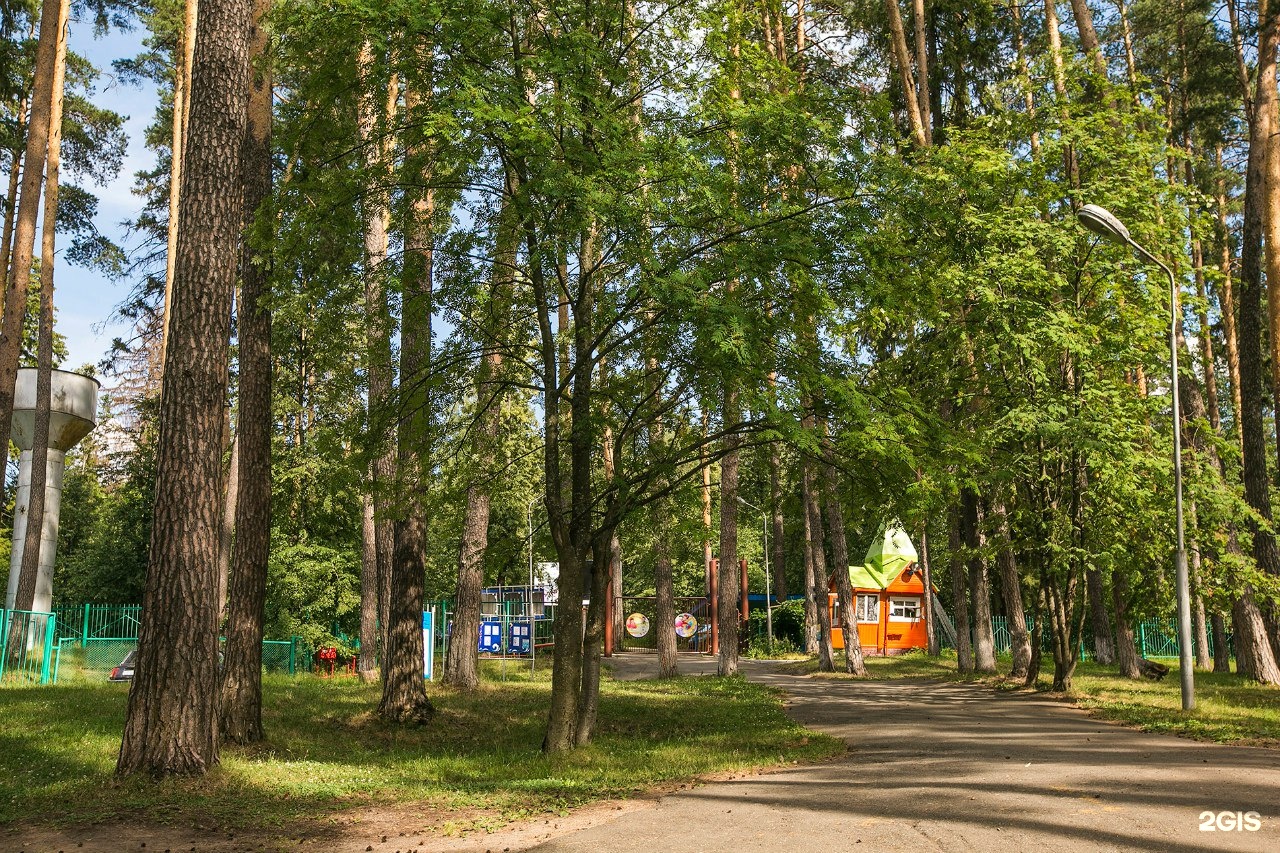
[415,275]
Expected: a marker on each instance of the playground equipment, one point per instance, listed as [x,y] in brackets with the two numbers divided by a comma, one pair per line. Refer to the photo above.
[73,408]
[888,597]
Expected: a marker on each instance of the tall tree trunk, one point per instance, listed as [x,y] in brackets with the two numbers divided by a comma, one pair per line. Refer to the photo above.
[931,629]
[227,527]
[984,644]
[1221,653]
[404,697]
[728,579]
[379,365]
[461,665]
[171,721]
[1126,649]
[923,97]
[1011,588]
[18,275]
[1254,656]
[240,717]
[1267,114]
[902,58]
[1103,647]
[593,640]
[1226,295]
[181,117]
[814,598]
[821,578]
[853,662]
[1088,36]
[30,568]
[367,663]
[779,555]
[664,588]
[960,594]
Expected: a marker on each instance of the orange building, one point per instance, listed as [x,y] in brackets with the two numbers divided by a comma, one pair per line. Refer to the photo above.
[889,597]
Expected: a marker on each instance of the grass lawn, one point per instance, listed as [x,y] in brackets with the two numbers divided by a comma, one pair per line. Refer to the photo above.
[1228,709]
[327,752]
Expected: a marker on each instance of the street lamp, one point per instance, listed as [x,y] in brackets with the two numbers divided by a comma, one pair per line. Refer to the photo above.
[768,584]
[1103,222]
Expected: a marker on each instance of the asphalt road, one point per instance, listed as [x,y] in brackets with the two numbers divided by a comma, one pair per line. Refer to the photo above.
[951,767]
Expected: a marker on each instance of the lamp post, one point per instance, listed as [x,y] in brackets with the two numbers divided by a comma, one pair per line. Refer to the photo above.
[1102,222]
[768,584]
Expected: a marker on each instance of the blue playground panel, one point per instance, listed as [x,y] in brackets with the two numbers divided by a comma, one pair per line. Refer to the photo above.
[491,636]
[520,638]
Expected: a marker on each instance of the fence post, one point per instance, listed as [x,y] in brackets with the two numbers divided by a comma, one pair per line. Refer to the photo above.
[1142,639]
[4,639]
[84,630]
[293,654]
[50,628]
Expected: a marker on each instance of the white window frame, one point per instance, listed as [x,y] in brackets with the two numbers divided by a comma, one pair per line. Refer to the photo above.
[875,608]
[909,601]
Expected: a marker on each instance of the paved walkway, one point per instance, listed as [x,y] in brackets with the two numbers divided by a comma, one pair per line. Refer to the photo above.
[953,767]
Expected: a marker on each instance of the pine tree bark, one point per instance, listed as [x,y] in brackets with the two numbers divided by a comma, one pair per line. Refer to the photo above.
[171,721]
[461,664]
[181,116]
[30,568]
[240,715]
[18,274]
[367,662]
[1254,656]
[1226,295]
[379,365]
[902,58]
[227,528]
[814,598]
[404,697]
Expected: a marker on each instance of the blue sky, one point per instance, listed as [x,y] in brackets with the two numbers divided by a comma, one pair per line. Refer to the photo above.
[85,298]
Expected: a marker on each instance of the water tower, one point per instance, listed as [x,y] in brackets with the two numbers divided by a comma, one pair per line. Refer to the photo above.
[73,412]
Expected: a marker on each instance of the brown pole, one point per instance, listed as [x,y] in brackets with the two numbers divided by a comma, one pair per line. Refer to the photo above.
[715,610]
[608,614]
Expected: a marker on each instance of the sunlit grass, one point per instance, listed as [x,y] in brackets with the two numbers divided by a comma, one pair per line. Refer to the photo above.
[328,752]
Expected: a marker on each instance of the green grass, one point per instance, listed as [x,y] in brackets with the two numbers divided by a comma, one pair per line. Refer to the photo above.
[479,760]
[1228,709]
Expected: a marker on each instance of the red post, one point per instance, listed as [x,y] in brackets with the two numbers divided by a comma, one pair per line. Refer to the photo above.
[742,566]
[715,606]
[608,614]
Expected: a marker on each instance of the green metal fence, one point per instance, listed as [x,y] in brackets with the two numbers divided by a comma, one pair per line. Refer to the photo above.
[26,646]
[1155,638]
[94,658]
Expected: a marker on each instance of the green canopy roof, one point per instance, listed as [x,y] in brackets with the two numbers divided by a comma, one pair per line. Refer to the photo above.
[867,577]
[891,551]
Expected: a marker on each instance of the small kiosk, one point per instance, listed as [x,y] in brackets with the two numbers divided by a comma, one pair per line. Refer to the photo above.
[889,592]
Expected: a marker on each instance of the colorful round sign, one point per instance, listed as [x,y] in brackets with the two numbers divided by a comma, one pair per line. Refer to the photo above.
[637,625]
[686,625]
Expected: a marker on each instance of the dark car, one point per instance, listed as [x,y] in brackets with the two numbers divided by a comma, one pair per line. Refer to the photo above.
[124,672]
